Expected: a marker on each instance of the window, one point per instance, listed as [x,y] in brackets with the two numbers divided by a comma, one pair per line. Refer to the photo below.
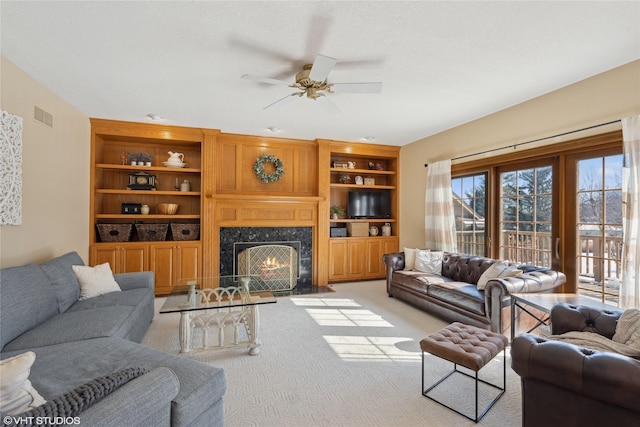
[469,206]
[526,207]
[599,226]
[557,206]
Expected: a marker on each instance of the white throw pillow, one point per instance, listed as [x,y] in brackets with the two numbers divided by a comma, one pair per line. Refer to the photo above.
[428,261]
[17,395]
[95,281]
[497,270]
[409,258]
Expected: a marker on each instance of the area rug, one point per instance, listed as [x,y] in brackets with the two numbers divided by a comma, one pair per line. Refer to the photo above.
[350,358]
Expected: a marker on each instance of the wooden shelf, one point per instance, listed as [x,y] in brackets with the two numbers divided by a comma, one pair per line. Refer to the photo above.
[380,187]
[146,168]
[362,171]
[147,192]
[139,217]
[345,220]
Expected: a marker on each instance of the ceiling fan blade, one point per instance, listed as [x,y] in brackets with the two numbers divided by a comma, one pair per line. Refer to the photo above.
[321,68]
[282,101]
[266,80]
[328,105]
[373,87]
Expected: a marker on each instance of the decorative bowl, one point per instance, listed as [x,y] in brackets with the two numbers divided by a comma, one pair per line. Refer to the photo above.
[167,208]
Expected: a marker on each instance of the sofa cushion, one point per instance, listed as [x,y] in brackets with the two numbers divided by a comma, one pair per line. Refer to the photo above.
[460,294]
[429,261]
[26,300]
[409,258]
[74,402]
[63,280]
[95,281]
[133,298]
[16,392]
[114,321]
[497,270]
[141,300]
[62,367]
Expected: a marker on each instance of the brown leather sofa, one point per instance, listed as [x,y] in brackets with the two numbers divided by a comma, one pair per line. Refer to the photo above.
[566,385]
[454,296]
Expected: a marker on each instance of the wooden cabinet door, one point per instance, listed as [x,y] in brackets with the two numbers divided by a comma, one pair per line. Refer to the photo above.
[188,261]
[106,253]
[172,262]
[338,260]
[121,258]
[357,259]
[134,258]
[390,245]
[375,250]
[161,261]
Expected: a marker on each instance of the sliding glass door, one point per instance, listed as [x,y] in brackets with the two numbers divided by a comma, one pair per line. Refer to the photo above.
[598,227]
[527,209]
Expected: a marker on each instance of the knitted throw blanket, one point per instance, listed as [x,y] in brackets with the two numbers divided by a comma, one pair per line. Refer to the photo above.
[72,403]
[625,341]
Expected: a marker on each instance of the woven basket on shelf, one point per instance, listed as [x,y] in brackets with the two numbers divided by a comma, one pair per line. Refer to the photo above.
[152,232]
[114,232]
[185,231]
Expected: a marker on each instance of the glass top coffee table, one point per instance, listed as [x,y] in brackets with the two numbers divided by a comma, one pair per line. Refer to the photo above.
[225,306]
[545,302]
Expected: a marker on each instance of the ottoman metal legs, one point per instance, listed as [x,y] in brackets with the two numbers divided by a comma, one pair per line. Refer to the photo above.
[470,347]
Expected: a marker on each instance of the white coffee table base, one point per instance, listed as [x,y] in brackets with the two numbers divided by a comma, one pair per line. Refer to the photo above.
[216,321]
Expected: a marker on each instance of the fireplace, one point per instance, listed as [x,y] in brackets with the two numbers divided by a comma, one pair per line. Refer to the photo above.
[276,265]
[235,240]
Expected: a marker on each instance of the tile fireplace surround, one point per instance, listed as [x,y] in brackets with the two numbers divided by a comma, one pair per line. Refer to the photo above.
[299,237]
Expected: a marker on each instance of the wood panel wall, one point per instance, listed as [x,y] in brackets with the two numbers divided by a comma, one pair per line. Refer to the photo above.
[235,197]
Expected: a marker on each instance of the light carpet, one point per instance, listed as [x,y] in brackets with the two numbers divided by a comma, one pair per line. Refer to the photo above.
[350,358]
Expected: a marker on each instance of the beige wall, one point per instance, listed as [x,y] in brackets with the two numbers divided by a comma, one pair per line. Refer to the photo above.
[55,174]
[606,97]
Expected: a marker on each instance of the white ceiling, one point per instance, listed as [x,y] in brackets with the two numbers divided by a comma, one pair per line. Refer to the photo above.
[441,63]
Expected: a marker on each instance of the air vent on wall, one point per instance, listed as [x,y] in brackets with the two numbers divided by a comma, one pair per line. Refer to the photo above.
[42,116]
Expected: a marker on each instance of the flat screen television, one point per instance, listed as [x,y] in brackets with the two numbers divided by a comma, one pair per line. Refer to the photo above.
[369,204]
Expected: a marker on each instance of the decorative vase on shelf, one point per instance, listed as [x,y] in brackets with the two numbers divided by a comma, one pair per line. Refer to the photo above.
[334,216]
[386,229]
[373,230]
[144,209]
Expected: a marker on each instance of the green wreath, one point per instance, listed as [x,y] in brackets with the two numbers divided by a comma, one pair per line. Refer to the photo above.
[258,167]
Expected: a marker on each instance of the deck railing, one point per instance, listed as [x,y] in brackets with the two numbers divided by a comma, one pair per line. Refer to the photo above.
[598,263]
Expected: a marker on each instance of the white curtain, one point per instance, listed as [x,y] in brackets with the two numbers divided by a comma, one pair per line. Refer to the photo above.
[630,287]
[439,220]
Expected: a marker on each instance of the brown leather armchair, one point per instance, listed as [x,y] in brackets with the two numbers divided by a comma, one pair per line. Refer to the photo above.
[566,385]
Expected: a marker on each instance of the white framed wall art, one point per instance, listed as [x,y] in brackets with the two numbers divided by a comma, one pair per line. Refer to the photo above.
[10,169]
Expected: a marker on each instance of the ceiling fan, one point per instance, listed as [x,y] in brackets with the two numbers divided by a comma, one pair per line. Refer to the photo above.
[312,82]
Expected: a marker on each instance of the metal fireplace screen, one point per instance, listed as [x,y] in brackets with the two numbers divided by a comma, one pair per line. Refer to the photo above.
[276,265]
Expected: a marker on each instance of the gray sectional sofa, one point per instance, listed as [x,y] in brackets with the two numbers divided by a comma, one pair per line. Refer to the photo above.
[76,342]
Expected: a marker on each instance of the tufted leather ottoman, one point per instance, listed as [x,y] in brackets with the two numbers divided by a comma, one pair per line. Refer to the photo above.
[470,347]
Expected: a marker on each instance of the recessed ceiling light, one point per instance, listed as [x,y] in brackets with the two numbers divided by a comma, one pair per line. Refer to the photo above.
[154,117]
